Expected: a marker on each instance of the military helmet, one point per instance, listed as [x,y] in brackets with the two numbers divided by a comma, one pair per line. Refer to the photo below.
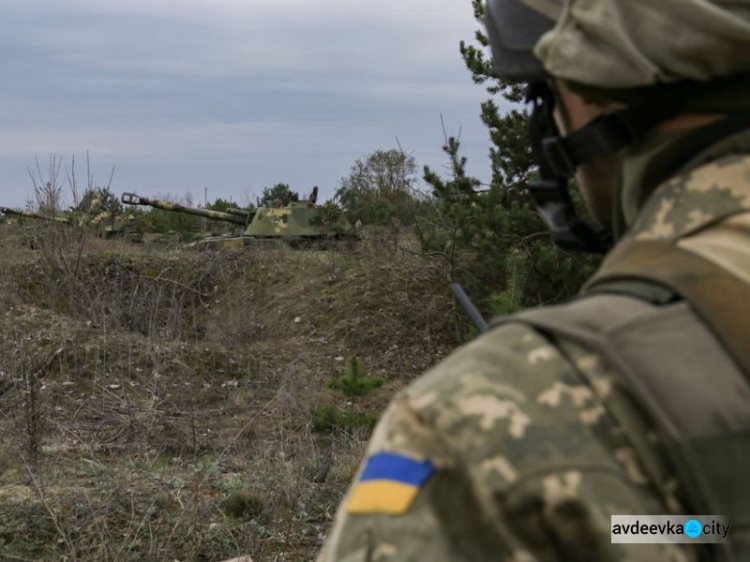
[620,49]
[658,58]
[514,28]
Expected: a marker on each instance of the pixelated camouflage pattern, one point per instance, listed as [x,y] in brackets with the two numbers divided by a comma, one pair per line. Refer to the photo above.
[530,461]
[622,43]
[725,245]
[694,200]
[703,208]
[530,464]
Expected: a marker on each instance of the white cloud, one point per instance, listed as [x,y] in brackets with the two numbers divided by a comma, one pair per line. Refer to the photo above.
[220,37]
[289,86]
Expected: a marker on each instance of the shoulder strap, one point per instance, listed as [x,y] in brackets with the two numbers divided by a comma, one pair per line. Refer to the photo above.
[683,379]
[720,299]
[685,318]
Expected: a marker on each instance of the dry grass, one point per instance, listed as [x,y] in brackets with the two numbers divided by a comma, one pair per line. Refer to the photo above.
[160,405]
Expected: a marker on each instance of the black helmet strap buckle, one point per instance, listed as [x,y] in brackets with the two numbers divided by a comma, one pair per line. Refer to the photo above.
[558,158]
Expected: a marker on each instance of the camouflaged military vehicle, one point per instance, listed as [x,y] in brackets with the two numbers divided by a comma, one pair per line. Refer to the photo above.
[7,211]
[110,225]
[104,224]
[300,224]
[239,217]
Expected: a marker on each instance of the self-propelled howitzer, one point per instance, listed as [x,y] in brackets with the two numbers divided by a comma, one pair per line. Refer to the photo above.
[104,224]
[36,216]
[300,224]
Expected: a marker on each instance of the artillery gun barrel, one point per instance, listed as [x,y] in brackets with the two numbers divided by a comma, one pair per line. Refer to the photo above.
[30,215]
[241,212]
[133,199]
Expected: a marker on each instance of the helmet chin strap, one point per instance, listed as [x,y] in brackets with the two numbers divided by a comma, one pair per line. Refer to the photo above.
[558,158]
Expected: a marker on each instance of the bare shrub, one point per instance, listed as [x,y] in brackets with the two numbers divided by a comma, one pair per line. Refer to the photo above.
[158,295]
[48,186]
[178,416]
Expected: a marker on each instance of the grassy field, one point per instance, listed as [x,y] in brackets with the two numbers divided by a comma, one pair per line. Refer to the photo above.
[167,404]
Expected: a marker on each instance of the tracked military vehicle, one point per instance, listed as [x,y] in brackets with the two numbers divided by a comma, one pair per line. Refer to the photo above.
[104,224]
[111,225]
[300,224]
[34,216]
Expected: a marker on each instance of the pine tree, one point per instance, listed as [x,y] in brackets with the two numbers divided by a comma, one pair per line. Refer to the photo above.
[491,236]
[278,195]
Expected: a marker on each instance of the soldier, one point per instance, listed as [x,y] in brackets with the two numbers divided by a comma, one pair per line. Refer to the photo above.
[635,397]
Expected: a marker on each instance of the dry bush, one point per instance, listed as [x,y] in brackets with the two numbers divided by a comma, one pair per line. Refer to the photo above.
[156,294]
[175,421]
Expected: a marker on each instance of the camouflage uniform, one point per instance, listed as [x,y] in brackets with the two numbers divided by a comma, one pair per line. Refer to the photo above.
[530,463]
[520,446]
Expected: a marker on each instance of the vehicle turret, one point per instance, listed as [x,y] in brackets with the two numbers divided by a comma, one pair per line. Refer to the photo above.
[300,224]
[300,220]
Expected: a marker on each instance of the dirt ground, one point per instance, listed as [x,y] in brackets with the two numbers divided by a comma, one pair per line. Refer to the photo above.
[168,404]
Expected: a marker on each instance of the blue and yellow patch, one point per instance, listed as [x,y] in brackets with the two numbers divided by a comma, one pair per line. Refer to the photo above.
[389,484]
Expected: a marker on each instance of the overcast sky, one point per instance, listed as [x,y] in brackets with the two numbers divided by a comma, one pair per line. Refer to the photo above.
[231,95]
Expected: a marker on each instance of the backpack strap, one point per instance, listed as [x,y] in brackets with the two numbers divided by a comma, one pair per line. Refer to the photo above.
[720,299]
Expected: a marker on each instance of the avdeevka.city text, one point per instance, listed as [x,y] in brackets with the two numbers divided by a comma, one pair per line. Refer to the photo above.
[669,528]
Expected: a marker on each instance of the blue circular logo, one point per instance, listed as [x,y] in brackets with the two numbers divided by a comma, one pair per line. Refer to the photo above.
[693,528]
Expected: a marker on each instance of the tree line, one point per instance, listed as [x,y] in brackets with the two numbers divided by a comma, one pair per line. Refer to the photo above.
[488,237]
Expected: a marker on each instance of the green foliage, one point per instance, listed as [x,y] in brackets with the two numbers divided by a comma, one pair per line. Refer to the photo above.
[328,418]
[490,236]
[510,298]
[187,226]
[353,383]
[161,221]
[378,189]
[280,195]
[109,200]
[158,220]
[222,205]
[242,505]
[329,216]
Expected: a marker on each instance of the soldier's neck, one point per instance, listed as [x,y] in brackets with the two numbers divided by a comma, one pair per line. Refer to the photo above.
[666,153]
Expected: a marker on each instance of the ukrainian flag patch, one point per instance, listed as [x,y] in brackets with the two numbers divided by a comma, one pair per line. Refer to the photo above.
[389,484]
